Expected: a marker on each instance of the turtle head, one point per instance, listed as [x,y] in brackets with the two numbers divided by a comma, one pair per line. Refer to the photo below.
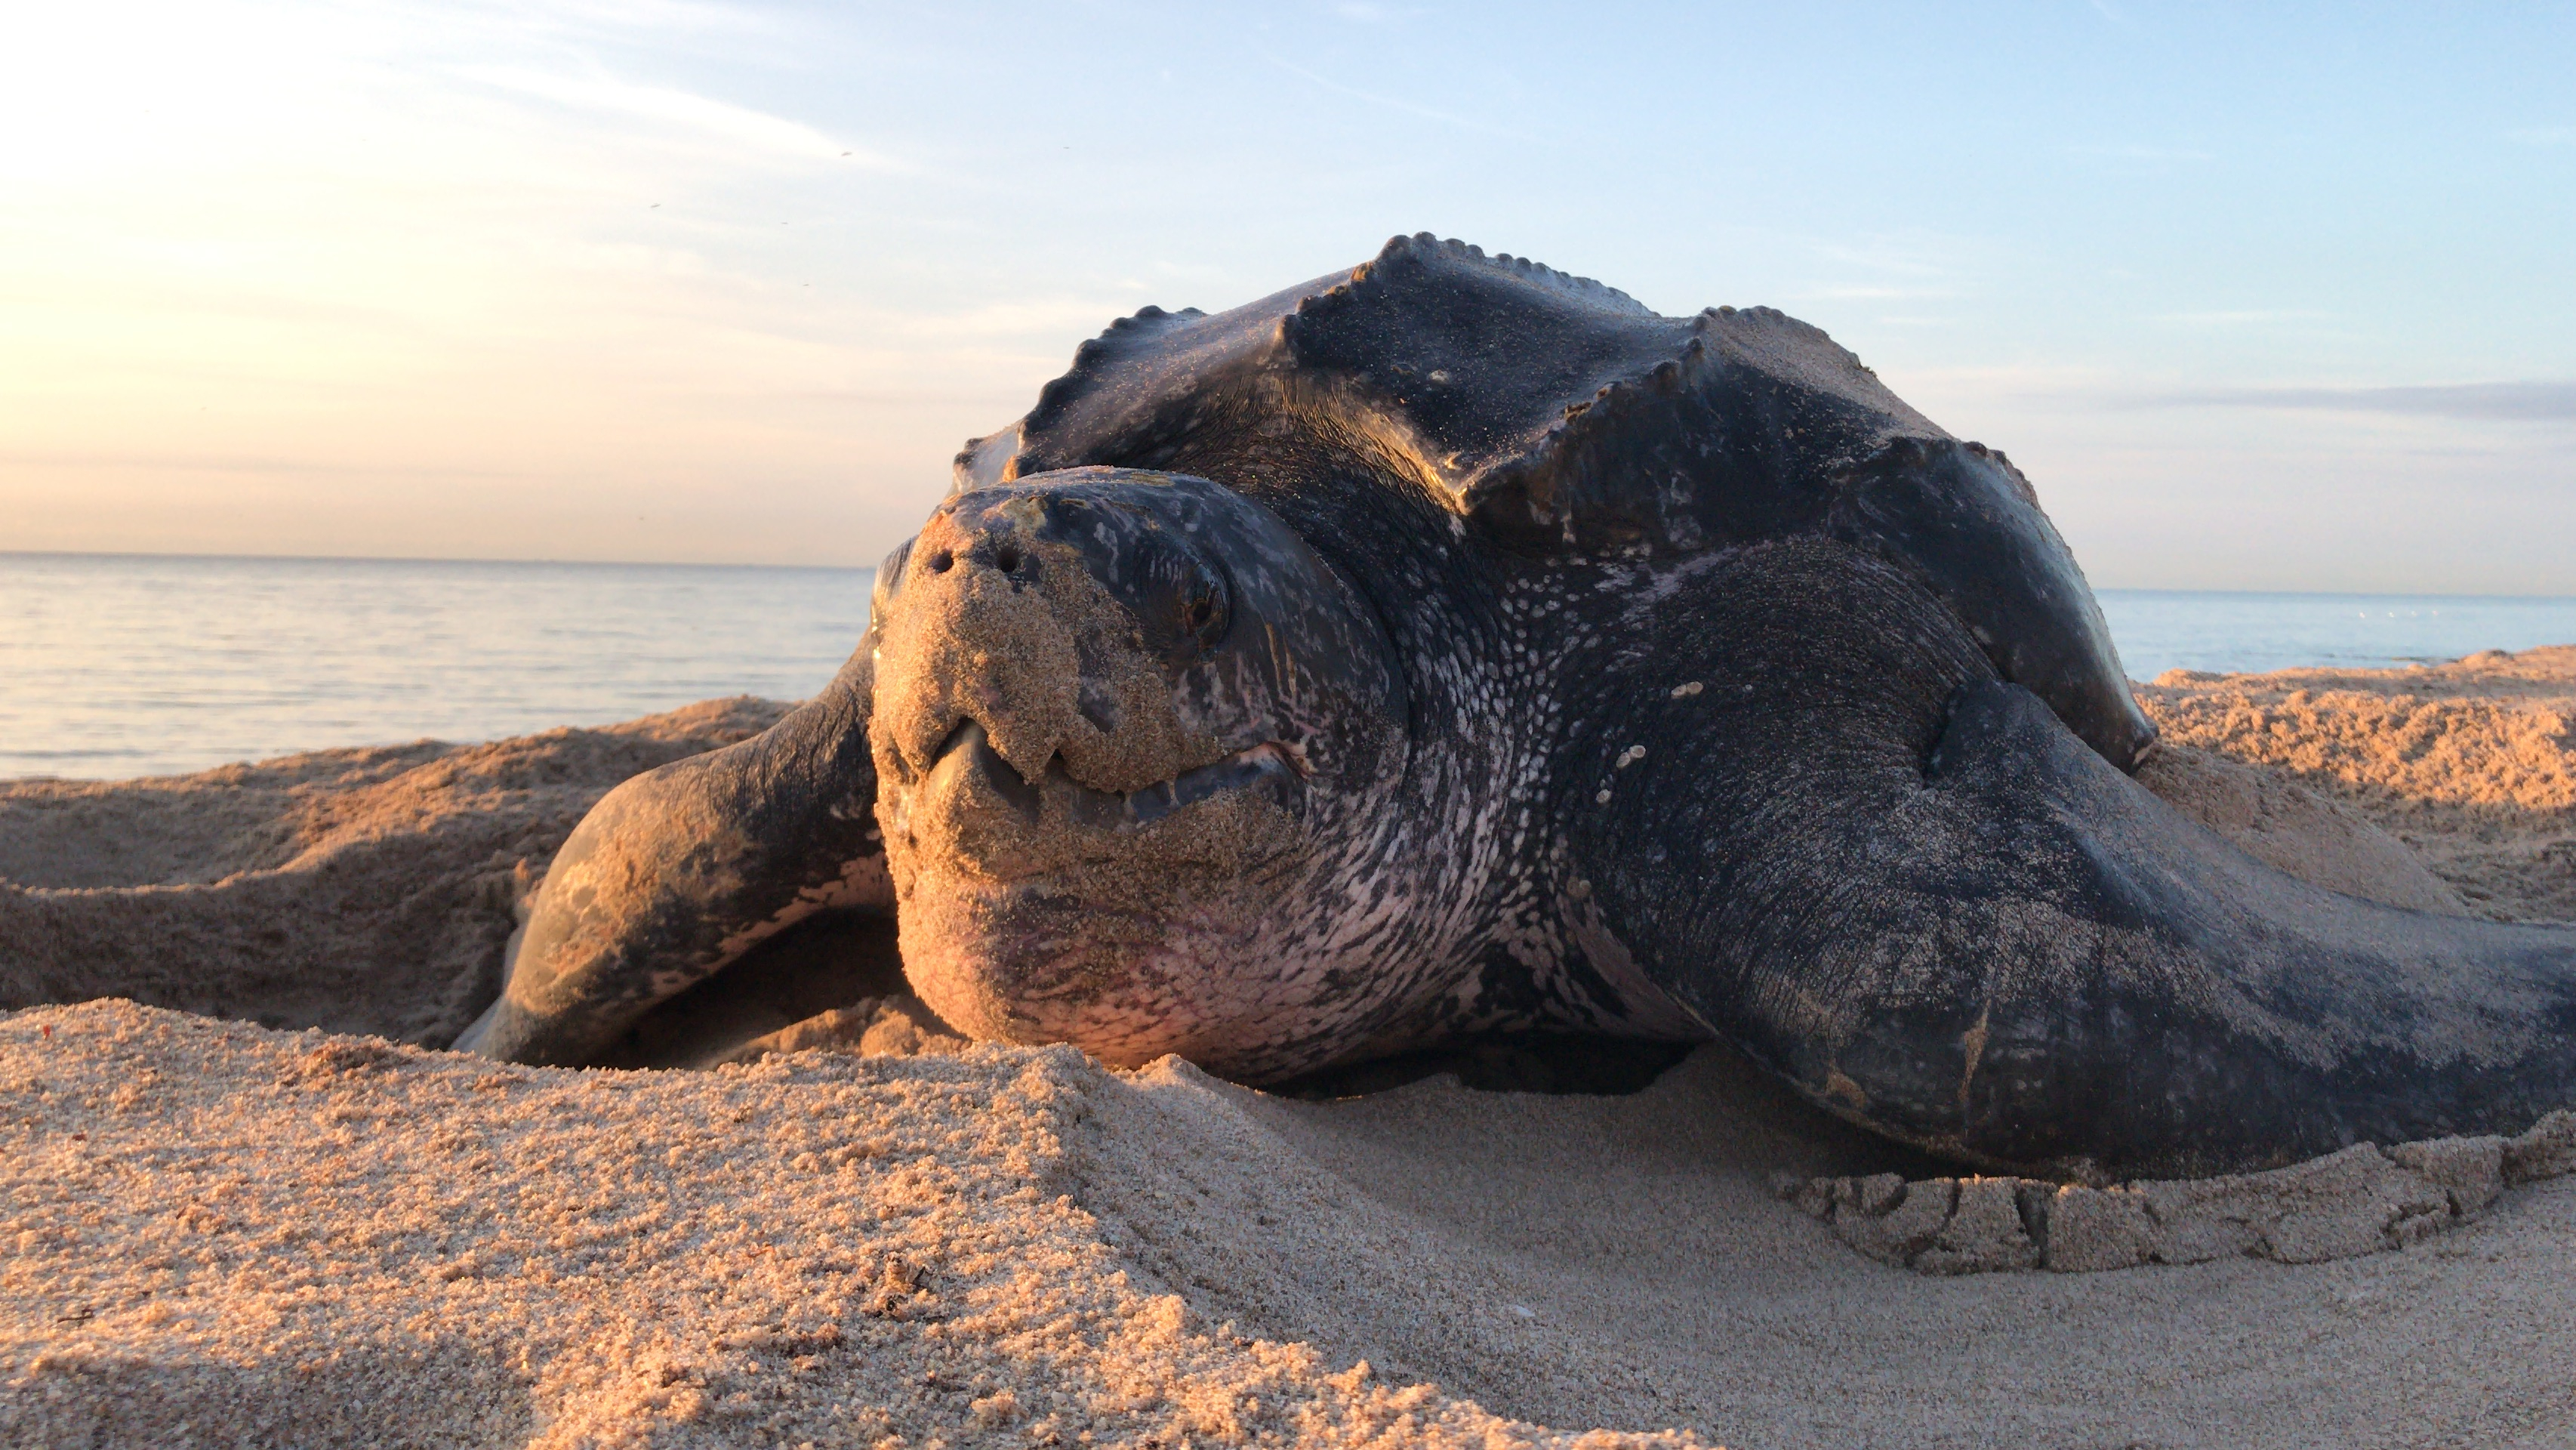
[1136,744]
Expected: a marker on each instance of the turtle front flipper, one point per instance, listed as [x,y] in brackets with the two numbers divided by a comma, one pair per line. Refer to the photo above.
[682,870]
[1908,888]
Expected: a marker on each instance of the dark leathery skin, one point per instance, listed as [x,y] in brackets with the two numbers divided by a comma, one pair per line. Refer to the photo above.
[681,870]
[1964,522]
[1289,690]
[1565,420]
[1706,690]
[1904,885]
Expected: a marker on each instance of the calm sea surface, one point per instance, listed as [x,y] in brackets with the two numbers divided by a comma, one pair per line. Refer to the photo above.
[118,665]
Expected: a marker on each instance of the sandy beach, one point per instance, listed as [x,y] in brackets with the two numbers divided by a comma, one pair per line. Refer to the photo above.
[254,1204]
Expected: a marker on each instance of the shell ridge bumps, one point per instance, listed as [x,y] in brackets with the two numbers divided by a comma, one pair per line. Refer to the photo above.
[1523,267]
[1004,454]
[1092,358]
[1103,408]
[1463,359]
[1652,459]
[1562,418]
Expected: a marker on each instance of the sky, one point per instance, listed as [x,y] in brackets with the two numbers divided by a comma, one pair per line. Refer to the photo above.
[2272,297]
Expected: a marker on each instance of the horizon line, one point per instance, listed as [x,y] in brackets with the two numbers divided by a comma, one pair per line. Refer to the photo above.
[407,559]
[871,568]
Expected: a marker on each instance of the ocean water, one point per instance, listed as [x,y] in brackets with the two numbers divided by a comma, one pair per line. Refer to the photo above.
[123,665]
[2163,629]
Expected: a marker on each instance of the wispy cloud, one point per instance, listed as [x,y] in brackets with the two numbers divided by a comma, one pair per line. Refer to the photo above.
[1919,272]
[740,126]
[2242,317]
[2516,402]
[1875,294]
[1392,103]
[487,22]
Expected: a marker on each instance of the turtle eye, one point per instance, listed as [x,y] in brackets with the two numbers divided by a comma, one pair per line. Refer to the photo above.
[1204,615]
[1181,600]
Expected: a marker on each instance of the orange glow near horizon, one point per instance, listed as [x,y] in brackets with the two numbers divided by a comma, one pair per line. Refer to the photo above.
[694,280]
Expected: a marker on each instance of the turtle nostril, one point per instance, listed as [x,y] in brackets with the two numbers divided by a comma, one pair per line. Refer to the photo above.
[940,561]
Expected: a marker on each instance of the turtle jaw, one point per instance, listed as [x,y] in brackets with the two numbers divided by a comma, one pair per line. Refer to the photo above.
[1176,918]
[1273,770]
[1184,917]
[1052,959]
[1270,770]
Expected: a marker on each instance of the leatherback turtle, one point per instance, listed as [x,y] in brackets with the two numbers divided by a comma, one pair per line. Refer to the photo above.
[1452,645]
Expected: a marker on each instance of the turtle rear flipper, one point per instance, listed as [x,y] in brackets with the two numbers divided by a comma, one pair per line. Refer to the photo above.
[684,869]
[1911,890]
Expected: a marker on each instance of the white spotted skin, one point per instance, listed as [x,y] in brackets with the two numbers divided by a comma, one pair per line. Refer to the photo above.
[1550,959]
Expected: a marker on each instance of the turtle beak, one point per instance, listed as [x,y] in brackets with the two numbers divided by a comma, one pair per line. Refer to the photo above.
[1058,622]
[1078,654]
[1128,728]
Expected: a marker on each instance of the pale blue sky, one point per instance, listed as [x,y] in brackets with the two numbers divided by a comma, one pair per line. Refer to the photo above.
[2259,300]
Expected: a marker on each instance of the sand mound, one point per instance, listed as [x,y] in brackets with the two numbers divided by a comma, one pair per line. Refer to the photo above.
[362,891]
[269,1239]
[2472,764]
[227,1235]
[2288,827]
